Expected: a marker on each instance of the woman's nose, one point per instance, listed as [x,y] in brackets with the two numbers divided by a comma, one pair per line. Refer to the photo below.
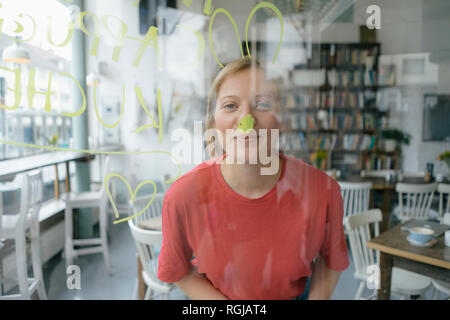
[246,109]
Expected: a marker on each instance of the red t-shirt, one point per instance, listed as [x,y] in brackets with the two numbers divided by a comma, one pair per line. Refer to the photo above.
[252,248]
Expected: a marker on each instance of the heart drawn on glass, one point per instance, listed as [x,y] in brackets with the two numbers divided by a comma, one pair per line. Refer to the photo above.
[109,176]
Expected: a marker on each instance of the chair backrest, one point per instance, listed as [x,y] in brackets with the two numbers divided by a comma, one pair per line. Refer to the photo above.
[414,200]
[154,210]
[443,189]
[358,230]
[355,197]
[376,173]
[148,241]
[31,196]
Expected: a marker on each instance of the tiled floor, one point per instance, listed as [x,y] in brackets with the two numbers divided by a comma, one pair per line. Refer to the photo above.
[95,281]
[97,284]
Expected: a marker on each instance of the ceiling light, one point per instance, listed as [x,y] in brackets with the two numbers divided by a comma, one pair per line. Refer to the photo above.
[92,78]
[16,54]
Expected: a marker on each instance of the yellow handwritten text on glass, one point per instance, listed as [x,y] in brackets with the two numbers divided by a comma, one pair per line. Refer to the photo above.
[17,88]
[109,176]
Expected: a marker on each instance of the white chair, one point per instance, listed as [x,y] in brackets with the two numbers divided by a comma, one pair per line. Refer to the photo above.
[148,244]
[443,189]
[88,199]
[414,201]
[441,286]
[355,196]
[404,283]
[16,227]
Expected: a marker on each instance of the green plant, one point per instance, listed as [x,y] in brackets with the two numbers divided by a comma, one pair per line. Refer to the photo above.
[53,140]
[444,156]
[319,159]
[396,135]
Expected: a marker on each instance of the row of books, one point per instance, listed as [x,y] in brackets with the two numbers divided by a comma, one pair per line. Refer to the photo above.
[326,99]
[338,121]
[350,55]
[352,121]
[326,141]
[319,77]
[335,54]
[347,78]
[363,77]
[378,162]
[352,78]
[293,141]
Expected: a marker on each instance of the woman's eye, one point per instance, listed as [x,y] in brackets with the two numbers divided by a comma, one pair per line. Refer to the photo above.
[263,106]
[229,106]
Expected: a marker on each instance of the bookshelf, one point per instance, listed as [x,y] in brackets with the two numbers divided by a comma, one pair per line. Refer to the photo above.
[331,106]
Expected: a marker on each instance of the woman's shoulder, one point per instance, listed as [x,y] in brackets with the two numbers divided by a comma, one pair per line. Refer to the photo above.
[306,173]
[193,182]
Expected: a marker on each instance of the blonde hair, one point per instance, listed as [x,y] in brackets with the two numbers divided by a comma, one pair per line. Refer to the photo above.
[230,69]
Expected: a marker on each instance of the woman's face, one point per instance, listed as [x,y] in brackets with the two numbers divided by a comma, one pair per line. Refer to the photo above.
[247,92]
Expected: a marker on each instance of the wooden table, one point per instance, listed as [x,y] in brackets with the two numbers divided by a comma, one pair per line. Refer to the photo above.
[387,188]
[396,251]
[9,168]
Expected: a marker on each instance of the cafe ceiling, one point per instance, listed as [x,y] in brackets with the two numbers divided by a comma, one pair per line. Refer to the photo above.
[320,10]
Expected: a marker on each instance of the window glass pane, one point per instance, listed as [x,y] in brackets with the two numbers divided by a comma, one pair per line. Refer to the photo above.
[278,134]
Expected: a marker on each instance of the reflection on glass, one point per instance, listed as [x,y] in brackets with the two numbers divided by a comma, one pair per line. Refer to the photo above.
[348,103]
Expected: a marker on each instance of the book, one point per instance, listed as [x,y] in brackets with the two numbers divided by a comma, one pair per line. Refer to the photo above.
[372,143]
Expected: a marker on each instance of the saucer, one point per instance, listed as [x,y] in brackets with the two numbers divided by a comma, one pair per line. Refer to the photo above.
[418,244]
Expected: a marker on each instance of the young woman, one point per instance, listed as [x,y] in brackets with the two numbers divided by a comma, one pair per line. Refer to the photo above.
[251,235]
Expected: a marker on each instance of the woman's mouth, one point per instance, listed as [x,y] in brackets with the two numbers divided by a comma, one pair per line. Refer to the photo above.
[246,137]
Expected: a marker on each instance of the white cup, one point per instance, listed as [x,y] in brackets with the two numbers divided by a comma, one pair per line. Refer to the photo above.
[447,238]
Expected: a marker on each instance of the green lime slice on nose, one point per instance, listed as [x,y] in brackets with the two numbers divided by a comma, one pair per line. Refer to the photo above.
[246,124]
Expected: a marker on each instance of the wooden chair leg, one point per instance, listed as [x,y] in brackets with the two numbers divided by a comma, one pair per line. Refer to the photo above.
[148,294]
[360,290]
[36,260]
[68,225]
[21,260]
[103,235]
[141,283]
[435,293]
